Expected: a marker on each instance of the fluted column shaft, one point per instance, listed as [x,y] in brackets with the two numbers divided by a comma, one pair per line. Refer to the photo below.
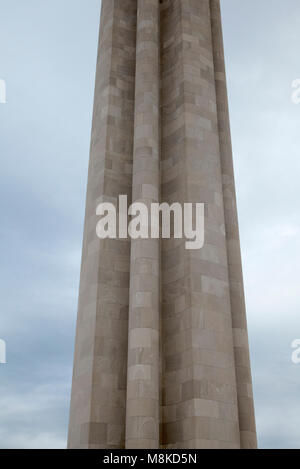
[238,308]
[142,422]
[161,133]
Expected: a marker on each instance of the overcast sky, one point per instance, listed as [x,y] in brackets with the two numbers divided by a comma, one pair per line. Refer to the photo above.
[47,58]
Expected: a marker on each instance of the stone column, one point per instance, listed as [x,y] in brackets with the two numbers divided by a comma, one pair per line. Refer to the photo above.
[142,420]
[161,133]
[238,309]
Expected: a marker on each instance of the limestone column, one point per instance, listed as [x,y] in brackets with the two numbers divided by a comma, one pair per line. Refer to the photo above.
[238,309]
[142,412]
[161,338]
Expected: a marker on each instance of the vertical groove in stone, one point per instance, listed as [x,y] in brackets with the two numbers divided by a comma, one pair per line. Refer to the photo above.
[238,309]
[98,402]
[161,376]
[142,412]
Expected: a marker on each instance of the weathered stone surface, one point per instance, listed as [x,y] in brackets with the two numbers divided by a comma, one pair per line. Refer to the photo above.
[162,354]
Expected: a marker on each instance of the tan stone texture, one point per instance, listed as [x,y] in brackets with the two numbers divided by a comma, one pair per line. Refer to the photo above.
[161,353]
